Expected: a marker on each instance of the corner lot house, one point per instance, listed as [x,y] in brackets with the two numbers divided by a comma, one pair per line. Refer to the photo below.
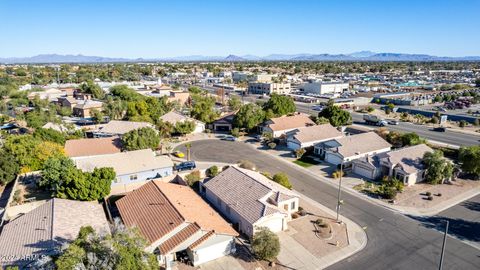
[308,136]
[352,147]
[224,123]
[281,125]
[118,128]
[80,148]
[404,164]
[42,231]
[130,167]
[175,117]
[250,200]
[84,108]
[176,223]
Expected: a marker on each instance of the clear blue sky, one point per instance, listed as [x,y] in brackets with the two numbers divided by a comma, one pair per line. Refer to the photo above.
[143,28]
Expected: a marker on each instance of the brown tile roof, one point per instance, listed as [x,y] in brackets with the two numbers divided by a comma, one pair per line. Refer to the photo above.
[361,143]
[157,208]
[44,229]
[194,209]
[317,133]
[290,122]
[175,117]
[202,239]
[178,238]
[92,147]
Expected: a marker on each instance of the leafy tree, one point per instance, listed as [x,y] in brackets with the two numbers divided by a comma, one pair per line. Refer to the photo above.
[165,129]
[31,152]
[319,120]
[203,109]
[469,158]
[280,105]
[8,167]
[235,132]
[411,138]
[124,249]
[185,127]
[193,177]
[212,171]
[92,88]
[141,138]
[282,179]
[125,93]
[114,108]
[195,90]
[51,135]
[249,116]
[335,115]
[66,181]
[84,186]
[234,103]
[438,168]
[97,116]
[265,244]
[55,171]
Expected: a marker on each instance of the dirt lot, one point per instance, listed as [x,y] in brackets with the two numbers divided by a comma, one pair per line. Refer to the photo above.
[414,196]
[323,242]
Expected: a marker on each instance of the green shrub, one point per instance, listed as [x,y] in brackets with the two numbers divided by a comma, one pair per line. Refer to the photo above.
[193,177]
[272,145]
[282,179]
[212,171]
[265,244]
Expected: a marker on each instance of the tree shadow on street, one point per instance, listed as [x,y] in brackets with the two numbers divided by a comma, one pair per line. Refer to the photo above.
[461,229]
[474,206]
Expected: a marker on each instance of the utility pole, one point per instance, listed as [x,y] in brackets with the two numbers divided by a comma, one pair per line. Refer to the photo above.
[339,191]
[443,246]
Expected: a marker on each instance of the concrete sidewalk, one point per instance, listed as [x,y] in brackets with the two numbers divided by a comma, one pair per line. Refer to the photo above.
[349,182]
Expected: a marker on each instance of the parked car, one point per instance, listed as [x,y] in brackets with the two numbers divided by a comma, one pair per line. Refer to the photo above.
[187,165]
[258,138]
[179,154]
[317,108]
[440,129]
[393,122]
[229,138]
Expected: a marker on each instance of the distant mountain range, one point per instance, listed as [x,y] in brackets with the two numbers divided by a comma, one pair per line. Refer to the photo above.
[356,56]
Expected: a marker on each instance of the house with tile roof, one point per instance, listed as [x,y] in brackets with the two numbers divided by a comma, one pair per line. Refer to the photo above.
[279,126]
[308,136]
[250,200]
[175,220]
[42,231]
[82,148]
[346,149]
[130,167]
[175,117]
[404,164]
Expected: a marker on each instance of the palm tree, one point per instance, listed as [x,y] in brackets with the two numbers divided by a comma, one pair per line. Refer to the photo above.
[188,146]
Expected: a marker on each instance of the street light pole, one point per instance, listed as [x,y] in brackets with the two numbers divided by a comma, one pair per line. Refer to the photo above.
[339,190]
[443,246]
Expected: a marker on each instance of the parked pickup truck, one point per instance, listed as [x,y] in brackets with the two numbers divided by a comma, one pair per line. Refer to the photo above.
[374,120]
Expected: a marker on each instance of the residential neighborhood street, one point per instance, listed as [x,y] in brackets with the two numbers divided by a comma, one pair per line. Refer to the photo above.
[394,240]
[448,137]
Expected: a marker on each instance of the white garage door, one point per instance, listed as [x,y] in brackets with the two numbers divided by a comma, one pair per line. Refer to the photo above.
[213,252]
[362,171]
[333,159]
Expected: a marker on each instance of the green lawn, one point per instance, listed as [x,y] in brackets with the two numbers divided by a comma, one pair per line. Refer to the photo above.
[306,162]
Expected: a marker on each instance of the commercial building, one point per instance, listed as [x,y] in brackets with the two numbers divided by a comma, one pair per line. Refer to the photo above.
[322,88]
[269,88]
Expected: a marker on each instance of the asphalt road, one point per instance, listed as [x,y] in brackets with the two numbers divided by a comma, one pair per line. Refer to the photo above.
[395,241]
[448,137]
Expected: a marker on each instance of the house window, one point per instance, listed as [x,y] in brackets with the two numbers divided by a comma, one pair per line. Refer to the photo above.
[133,177]
[292,205]
[285,207]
